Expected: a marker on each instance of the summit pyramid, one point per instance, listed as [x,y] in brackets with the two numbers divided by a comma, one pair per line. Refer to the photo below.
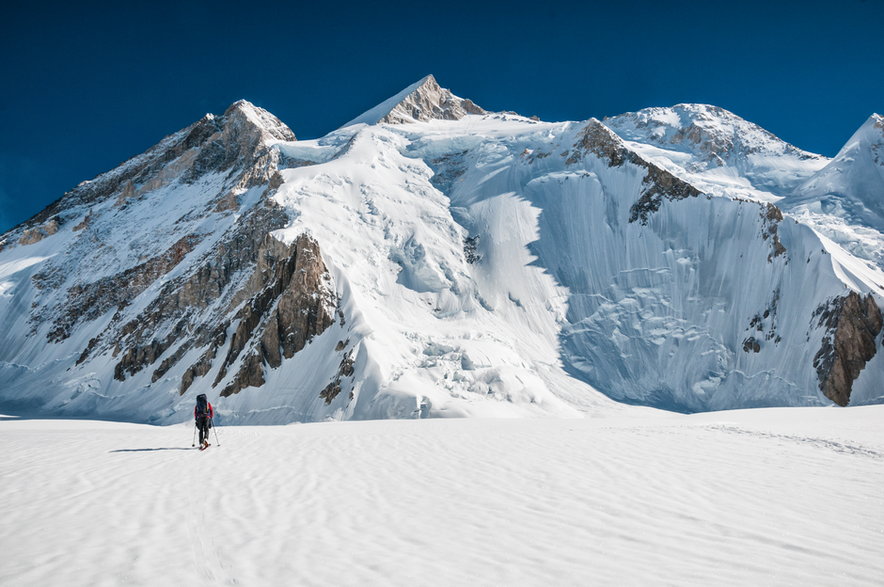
[421,101]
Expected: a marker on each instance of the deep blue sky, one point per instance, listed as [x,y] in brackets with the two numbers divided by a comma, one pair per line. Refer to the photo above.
[85,87]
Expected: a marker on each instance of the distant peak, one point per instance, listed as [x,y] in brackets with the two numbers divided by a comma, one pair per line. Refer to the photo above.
[869,136]
[427,79]
[421,101]
[243,105]
[701,107]
[875,121]
[711,132]
[871,129]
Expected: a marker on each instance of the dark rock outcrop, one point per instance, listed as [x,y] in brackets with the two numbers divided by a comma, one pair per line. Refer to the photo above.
[751,344]
[771,217]
[333,389]
[275,296]
[287,300]
[447,170]
[429,101]
[246,293]
[765,323]
[291,301]
[214,278]
[88,302]
[852,325]
[471,249]
[658,184]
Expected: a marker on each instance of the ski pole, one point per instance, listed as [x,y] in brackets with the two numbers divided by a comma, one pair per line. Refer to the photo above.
[215,430]
[193,442]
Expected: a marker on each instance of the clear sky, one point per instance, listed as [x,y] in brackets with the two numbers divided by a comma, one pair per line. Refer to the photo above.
[87,85]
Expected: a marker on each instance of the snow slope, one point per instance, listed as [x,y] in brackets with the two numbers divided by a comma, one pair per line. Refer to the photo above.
[845,200]
[776,497]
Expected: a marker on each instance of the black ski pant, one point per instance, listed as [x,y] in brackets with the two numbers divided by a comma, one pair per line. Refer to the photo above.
[203,425]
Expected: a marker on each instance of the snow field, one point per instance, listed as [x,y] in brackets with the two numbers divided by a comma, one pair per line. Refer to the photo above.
[776,497]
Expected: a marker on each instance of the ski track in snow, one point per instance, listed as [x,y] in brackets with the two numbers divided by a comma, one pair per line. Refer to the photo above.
[776,497]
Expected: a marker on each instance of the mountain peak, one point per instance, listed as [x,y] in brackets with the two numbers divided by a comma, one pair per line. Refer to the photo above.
[241,104]
[855,176]
[243,112]
[421,101]
[867,141]
[872,129]
[711,132]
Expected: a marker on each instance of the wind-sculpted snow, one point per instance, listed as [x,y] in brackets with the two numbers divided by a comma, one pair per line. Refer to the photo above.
[788,496]
[450,263]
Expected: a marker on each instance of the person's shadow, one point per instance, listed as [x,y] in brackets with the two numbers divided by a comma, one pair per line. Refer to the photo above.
[150,449]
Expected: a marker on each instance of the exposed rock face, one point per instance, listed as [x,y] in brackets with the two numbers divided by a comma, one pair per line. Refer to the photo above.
[771,217]
[277,297]
[287,299]
[244,296]
[751,345]
[431,102]
[421,101]
[599,140]
[90,301]
[471,249]
[764,325]
[84,223]
[292,301]
[345,370]
[447,170]
[235,142]
[38,233]
[659,184]
[853,324]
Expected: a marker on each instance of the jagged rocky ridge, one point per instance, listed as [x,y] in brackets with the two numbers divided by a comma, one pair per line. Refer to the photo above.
[416,267]
[420,102]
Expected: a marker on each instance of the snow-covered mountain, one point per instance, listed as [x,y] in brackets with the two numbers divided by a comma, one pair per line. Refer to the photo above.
[720,151]
[854,179]
[430,258]
[844,200]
